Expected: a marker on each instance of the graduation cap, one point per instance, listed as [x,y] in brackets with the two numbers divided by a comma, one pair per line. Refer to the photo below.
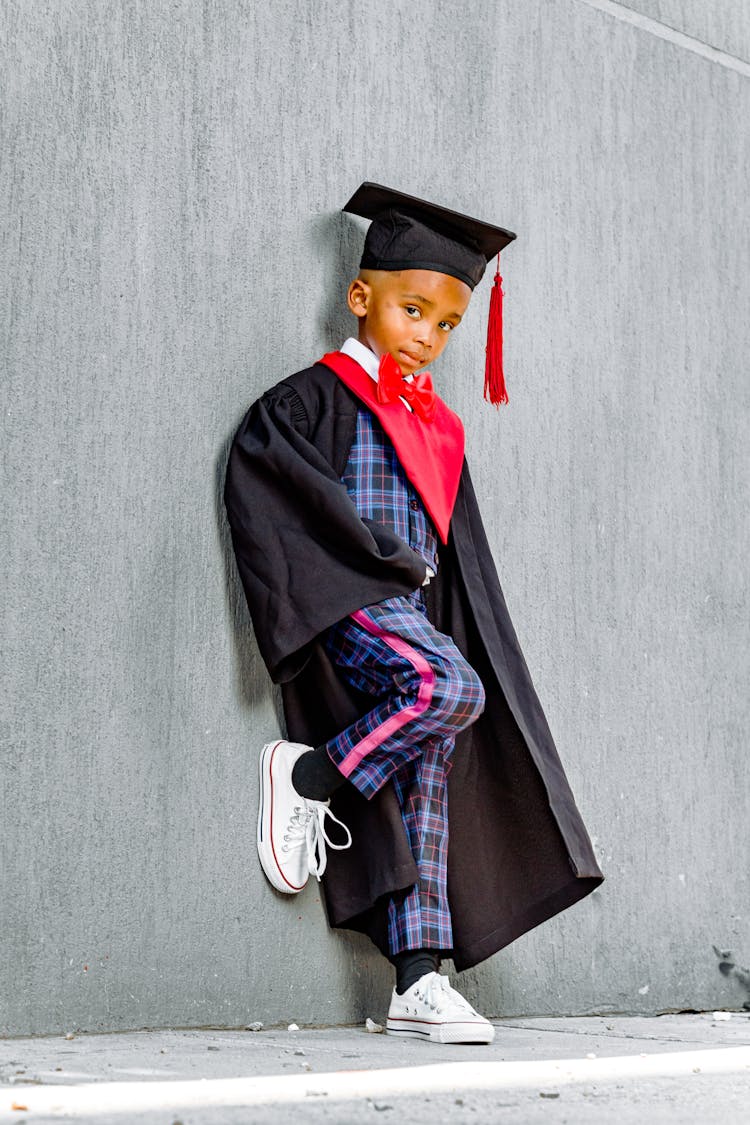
[409,233]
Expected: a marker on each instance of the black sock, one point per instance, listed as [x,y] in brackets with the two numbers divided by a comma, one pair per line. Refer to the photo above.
[314,775]
[413,964]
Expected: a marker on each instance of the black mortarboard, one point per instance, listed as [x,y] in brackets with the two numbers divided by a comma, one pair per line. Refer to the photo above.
[410,233]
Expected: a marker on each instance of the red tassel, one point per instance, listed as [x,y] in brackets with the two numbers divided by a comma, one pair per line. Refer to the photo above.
[494,382]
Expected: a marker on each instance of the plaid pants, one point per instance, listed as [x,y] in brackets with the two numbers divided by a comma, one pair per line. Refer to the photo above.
[424,692]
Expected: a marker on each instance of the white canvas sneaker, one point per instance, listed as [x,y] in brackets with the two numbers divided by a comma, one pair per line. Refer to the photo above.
[292,838]
[431,1009]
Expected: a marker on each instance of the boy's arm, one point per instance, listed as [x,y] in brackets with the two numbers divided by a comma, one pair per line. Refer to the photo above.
[305,556]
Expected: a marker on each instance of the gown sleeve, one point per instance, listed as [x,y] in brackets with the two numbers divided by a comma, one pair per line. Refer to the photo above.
[306,558]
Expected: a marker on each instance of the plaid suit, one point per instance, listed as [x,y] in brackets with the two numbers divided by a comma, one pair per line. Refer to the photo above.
[424,692]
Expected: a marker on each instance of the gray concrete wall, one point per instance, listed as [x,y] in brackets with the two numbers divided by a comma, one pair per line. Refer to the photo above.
[724,26]
[171,245]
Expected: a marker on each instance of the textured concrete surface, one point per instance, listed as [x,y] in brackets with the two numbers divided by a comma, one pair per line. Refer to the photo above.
[674,1069]
[725,26]
[171,245]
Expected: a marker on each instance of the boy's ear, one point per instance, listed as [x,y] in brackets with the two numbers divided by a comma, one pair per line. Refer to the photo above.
[358,296]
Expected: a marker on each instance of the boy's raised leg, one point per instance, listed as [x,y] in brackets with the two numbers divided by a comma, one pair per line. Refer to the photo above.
[292,839]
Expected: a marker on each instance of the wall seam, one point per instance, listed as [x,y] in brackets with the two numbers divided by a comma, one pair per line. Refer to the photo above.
[670,34]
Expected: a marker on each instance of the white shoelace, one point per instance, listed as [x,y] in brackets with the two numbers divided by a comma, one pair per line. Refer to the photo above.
[438,989]
[307,827]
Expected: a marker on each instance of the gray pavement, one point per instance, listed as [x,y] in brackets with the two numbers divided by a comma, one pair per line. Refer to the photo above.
[674,1068]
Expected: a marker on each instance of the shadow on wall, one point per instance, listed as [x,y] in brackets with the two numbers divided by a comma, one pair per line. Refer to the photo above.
[334,240]
[252,683]
[729,968]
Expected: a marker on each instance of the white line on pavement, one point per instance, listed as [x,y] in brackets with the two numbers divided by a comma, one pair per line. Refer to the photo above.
[134,1097]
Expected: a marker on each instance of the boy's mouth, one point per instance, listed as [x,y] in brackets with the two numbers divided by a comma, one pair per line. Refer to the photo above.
[410,358]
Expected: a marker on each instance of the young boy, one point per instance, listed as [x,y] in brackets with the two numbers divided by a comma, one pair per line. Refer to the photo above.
[376,605]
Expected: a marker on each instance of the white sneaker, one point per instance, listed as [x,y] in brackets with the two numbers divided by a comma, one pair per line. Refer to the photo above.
[431,1009]
[291,829]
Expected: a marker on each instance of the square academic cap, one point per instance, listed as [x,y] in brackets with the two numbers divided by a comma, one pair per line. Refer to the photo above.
[410,233]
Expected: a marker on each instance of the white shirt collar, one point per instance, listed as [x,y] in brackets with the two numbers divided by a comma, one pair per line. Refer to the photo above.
[366,358]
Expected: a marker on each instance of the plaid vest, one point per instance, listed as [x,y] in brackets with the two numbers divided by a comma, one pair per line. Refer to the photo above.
[382,492]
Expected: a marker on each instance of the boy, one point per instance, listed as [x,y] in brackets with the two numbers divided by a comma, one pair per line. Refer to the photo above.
[377,607]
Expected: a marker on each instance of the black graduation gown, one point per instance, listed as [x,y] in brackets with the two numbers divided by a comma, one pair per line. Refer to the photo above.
[518,849]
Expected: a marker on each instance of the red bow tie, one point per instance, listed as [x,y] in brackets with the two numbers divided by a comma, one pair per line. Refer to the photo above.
[392,386]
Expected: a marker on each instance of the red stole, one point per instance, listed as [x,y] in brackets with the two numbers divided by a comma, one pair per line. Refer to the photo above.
[431,453]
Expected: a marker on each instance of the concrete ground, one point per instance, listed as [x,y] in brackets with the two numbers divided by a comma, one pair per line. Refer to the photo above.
[674,1068]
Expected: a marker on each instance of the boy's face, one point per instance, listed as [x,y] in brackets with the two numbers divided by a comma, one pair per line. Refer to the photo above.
[410,313]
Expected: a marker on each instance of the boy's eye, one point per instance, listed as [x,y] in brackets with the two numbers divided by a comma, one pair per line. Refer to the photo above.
[447,326]
[412,311]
